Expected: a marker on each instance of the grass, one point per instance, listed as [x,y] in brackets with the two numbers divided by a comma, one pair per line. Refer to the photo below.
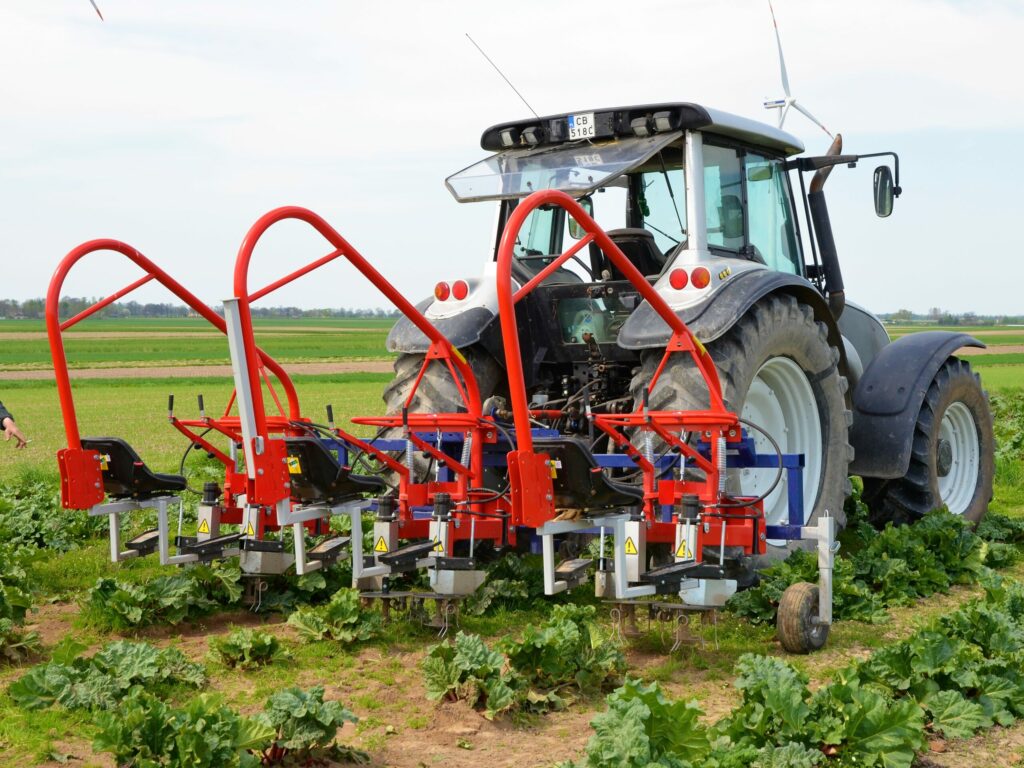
[136,410]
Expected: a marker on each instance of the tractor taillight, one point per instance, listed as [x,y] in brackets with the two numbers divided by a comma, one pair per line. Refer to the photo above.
[460,290]
[442,291]
[700,277]
[678,279]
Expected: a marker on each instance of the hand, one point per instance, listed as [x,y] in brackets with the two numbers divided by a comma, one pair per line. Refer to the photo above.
[11,430]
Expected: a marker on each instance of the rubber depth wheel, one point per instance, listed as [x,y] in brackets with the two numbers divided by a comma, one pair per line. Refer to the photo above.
[437,392]
[779,371]
[796,625]
[952,458]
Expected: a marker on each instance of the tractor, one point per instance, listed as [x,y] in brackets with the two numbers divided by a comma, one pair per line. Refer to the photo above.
[652,365]
[714,210]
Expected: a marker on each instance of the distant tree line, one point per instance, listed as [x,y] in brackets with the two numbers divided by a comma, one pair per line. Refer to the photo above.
[945,317]
[34,309]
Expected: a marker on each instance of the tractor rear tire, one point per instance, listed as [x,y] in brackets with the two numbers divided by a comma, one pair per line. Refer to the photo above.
[952,459]
[796,624]
[437,392]
[775,364]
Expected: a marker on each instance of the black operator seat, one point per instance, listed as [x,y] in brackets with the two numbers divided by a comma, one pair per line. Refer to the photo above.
[125,475]
[317,477]
[638,245]
[579,483]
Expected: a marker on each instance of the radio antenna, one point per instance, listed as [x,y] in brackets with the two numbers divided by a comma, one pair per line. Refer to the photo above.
[503,76]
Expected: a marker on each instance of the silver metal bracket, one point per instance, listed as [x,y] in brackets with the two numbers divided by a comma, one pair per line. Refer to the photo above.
[114,509]
[825,534]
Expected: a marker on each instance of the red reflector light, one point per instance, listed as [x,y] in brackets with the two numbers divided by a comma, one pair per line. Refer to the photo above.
[442,291]
[460,290]
[678,279]
[700,277]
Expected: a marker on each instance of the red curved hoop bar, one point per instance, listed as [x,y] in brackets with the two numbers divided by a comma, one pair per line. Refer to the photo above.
[54,327]
[341,248]
[682,339]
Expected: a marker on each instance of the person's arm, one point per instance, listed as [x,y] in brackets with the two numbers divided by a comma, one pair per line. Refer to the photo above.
[10,428]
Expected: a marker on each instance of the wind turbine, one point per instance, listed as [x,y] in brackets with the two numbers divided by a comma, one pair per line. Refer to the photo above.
[788,101]
[97,9]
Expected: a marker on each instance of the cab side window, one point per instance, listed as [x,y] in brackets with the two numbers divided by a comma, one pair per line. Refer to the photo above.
[723,197]
[770,216]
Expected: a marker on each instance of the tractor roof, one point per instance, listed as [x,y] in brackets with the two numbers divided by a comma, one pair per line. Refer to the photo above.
[641,120]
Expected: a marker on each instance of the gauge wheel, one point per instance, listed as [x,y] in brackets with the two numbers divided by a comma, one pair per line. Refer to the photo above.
[797,625]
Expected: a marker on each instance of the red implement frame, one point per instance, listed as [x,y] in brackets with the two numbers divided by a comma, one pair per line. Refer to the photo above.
[531,474]
[81,479]
[441,350]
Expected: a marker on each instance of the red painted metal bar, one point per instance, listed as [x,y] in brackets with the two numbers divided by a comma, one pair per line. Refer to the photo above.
[294,276]
[343,248]
[506,302]
[543,275]
[106,302]
[53,325]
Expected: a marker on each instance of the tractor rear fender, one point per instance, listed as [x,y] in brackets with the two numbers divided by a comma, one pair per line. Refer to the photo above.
[462,329]
[888,399]
[711,319]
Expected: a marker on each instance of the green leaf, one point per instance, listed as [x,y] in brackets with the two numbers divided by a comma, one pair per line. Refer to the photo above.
[953,716]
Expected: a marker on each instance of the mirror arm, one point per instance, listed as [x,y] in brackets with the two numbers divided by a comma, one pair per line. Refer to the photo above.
[805,164]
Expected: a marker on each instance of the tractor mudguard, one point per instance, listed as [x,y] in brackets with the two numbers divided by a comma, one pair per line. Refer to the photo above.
[888,399]
[712,318]
[462,329]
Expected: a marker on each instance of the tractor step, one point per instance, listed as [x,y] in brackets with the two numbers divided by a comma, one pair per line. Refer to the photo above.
[329,550]
[405,558]
[145,543]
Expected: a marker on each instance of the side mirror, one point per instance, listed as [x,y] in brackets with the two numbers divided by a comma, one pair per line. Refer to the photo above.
[575,230]
[883,191]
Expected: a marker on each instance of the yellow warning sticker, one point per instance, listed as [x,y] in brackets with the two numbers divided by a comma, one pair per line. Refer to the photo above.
[381,546]
[104,462]
[438,547]
[294,467]
[249,530]
[684,551]
[204,527]
[630,546]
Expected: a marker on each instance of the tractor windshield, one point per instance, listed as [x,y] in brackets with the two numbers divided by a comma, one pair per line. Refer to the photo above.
[578,168]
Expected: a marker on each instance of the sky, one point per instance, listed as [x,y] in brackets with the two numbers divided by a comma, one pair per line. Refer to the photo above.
[174,125]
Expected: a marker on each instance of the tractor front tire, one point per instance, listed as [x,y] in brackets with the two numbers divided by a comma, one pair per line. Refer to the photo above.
[952,458]
[796,624]
[779,371]
[437,392]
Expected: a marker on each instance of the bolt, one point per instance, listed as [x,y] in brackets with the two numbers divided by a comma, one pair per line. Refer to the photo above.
[95,485]
[259,472]
[287,485]
[547,496]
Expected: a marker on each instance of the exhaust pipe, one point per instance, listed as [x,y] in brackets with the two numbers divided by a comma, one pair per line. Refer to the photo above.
[823,231]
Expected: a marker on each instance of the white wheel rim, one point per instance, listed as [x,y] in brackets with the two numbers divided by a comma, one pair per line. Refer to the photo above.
[781,401]
[956,488]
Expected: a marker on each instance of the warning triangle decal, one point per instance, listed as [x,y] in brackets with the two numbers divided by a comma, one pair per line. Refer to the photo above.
[249,530]
[204,527]
[381,546]
[684,551]
[630,546]
[437,545]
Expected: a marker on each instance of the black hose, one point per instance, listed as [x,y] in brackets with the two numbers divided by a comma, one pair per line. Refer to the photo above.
[775,482]
[181,464]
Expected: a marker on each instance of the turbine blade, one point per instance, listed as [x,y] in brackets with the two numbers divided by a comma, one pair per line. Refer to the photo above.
[782,60]
[97,9]
[783,113]
[813,119]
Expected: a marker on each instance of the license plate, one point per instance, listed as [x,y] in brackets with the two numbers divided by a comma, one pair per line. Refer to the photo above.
[582,126]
